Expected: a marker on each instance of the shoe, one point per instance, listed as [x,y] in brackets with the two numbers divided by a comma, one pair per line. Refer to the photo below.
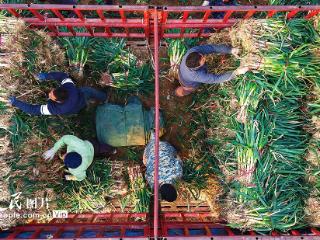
[181,91]
[114,151]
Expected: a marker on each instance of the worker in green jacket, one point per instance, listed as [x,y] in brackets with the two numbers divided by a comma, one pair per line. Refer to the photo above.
[79,154]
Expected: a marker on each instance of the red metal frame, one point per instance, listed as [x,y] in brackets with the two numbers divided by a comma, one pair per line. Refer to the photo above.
[78,224]
[157,127]
[154,22]
[173,225]
[122,25]
[98,22]
[201,17]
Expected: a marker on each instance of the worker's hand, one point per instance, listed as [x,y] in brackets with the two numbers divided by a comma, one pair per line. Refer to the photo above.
[205,3]
[235,52]
[241,70]
[41,77]
[11,100]
[70,178]
[48,155]
[106,79]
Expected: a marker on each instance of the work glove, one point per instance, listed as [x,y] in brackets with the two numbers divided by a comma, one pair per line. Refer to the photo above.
[48,155]
[205,3]
[235,52]
[11,100]
[241,70]
[70,178]
[41,76]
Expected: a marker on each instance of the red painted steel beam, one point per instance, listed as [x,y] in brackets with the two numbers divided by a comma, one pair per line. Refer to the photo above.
[131,23]
[114,8]
[157,127]
[241,8]
[97,34]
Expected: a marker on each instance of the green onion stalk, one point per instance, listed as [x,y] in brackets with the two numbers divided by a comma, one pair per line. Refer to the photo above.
[128,73]
[269,190]
[141,195]
[272,145]
[77,50]
[176,51]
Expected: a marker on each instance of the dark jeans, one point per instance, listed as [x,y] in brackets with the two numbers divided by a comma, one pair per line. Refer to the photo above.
[101,149]
[93,94]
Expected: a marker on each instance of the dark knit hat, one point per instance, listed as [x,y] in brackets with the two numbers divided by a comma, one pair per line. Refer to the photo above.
[168,192]
[72,160]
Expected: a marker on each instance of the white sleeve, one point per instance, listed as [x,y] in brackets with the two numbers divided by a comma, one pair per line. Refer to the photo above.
[67,80]
[44,110]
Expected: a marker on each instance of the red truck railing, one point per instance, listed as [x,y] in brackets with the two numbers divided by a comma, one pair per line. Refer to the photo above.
[148,22]
[173,225]
[138,21]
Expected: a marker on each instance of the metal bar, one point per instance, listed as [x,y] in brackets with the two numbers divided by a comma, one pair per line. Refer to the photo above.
[312,14]
[124,20]
[13,12]
[271,13]
[102,34]
[227,16]
[79,14]
[315,231]
[146,20]
[249,14]
[157,127]
[90,31]
[58,14]
[71,31]
[54,30]
[107,30]
[36,233]
[38,15]
[86,24]
[164,17]
[101,15]
[243,8]
[138,8]
[292,14]
[206,16]
[175,23]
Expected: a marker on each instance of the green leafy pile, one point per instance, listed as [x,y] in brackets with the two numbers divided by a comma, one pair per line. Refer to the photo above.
[128,73]
[91,194]
[268,190]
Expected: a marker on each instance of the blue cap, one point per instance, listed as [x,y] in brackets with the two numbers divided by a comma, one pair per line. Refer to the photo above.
[72,160]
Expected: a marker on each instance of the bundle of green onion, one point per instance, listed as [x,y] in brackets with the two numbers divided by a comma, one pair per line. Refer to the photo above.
[176,51]
[77,50]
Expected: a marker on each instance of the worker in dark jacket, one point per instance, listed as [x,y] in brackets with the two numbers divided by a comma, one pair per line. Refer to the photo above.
[66,99]
[193,68]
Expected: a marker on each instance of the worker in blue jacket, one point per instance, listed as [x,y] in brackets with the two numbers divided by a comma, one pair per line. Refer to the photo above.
[66,99]
[193,69]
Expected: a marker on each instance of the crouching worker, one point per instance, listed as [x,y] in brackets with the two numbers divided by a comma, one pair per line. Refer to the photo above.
[193,69]
[66,99]
[79,154]
[170,168]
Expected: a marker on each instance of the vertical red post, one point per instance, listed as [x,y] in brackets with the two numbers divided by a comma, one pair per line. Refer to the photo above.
[157,105]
